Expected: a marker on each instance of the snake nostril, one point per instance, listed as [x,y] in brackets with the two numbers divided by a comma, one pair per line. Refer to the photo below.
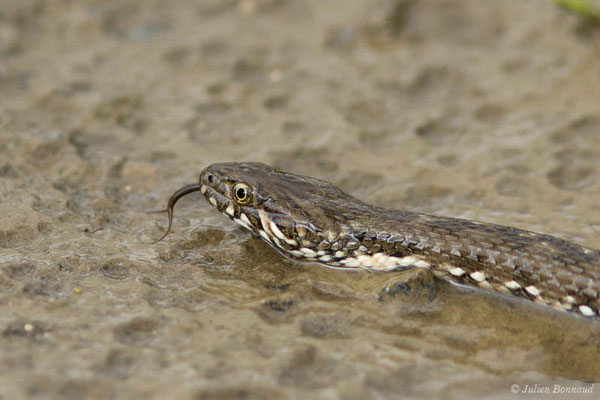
[210,178]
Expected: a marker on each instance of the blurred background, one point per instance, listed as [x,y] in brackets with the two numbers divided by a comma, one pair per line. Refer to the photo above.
[487,110]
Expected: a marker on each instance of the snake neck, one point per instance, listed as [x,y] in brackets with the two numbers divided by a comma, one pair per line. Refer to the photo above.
[541,268]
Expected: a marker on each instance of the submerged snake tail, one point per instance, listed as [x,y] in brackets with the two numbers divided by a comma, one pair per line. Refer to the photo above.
[174,199]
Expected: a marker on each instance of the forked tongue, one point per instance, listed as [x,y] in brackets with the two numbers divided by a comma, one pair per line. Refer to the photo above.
[171,203]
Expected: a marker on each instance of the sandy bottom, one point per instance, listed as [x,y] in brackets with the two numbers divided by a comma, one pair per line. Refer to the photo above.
[485,110]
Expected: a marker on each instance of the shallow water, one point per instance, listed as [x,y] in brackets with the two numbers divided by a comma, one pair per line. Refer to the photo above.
[480,110]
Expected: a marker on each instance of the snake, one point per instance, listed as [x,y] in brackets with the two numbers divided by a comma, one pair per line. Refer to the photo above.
[310,219]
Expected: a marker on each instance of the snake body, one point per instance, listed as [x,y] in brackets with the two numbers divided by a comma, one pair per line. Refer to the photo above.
[312,220]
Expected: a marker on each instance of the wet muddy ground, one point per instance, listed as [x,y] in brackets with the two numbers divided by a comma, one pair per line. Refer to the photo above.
[485,110]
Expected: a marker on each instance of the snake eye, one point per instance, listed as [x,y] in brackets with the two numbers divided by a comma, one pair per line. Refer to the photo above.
[242,193]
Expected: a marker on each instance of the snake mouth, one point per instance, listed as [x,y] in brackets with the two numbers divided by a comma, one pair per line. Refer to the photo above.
[216,191]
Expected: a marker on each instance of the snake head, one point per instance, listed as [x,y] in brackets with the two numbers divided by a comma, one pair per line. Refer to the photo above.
[302,217]
[278,206]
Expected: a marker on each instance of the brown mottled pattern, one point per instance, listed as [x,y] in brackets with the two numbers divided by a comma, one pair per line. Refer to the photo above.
[321,223]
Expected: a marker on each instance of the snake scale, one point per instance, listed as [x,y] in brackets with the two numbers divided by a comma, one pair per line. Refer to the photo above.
[310,219]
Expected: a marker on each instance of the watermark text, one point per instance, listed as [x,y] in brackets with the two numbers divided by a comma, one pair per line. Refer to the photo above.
[551,389]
